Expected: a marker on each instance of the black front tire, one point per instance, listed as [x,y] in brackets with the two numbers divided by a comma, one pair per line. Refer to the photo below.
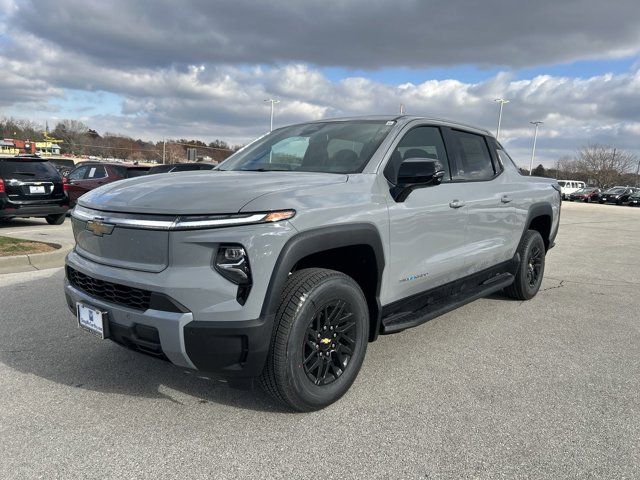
[56,219]
[290,378]
[531,268]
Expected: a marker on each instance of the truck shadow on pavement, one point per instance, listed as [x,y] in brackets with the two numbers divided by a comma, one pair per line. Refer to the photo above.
[39,336]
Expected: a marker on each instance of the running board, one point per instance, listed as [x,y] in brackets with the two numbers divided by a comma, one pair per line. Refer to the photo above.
[421,308]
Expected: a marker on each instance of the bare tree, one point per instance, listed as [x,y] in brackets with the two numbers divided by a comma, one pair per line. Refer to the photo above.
[73,133]
[604,164]
[175,153]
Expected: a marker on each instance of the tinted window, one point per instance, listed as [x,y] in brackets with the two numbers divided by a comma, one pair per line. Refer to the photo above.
[136,172]
[161,169]
[474,160]
[77,174]
[28,170]
[332,147]
[420,142]
[96,172]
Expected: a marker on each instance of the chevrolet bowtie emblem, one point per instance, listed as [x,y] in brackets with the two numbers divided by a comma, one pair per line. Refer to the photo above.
[98,228]
[326,341]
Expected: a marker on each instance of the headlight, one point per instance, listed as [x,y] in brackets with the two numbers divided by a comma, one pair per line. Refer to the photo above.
[191,222]
[232,263]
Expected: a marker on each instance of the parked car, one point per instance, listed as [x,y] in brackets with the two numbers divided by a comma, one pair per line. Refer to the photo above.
[588,194]
[63,165]
[31,187]
[90,175]
[181,167]
[617,195]
[306,245]
[634,199]
[570,186]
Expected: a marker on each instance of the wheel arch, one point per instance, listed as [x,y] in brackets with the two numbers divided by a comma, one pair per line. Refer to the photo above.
[344,248]
[540,218]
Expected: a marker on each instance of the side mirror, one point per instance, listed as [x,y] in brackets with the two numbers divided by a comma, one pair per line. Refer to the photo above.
[416,173]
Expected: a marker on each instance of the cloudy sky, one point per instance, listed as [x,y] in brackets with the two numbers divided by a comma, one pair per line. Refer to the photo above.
[202,68]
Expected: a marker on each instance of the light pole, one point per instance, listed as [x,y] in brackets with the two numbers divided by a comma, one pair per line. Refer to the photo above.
[537,123]
[501,101]
[273,102]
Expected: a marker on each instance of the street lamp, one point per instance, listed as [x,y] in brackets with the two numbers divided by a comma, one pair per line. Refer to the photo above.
[502,101]
[273,102]
[537,123]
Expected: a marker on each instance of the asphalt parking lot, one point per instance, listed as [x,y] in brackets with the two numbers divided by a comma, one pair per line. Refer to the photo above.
[548,388]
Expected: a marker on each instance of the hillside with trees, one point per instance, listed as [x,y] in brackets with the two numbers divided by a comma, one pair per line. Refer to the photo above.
[80,140]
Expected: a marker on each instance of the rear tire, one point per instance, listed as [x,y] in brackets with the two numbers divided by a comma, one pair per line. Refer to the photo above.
[531,268]
[56,219]
[319,340]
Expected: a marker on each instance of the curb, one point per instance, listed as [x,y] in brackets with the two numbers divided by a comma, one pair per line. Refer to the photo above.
[36,261]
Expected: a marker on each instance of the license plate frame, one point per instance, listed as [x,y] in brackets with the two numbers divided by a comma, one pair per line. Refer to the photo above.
[92,319]
[37,189]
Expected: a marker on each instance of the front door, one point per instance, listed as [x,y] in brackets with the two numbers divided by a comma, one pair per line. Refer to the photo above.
[427,229]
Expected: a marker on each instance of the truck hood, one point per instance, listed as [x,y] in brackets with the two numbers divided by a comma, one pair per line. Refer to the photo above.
[203,192]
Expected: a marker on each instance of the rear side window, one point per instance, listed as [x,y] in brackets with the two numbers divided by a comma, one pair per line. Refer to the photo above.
[474,159]
[28,170]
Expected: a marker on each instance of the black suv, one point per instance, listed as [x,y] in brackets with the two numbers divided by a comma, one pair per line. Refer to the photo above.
[31,187]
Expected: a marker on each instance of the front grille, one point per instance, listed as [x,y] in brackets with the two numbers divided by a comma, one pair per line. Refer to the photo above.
[135,298]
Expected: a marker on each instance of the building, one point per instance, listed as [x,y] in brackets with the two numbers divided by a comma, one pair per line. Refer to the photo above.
[10,146]
[47,148]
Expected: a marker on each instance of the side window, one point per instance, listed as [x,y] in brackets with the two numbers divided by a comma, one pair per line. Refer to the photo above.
[77,174]
[420,142]
[474,159]
[96,172]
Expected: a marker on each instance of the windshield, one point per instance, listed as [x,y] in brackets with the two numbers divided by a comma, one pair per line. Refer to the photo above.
[615,190]
[330,147]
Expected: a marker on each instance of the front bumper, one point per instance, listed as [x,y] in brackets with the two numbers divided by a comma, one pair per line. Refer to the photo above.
[199,340]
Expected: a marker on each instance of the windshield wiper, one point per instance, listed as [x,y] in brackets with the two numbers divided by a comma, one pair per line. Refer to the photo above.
[265,170]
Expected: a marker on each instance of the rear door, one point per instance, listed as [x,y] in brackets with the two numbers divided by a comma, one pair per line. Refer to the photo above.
[488,194]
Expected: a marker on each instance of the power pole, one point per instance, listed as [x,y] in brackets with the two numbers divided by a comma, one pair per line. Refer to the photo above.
[273,102]
[537,123]
[501,101]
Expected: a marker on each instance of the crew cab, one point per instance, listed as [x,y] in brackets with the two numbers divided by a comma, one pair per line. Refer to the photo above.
[282,265]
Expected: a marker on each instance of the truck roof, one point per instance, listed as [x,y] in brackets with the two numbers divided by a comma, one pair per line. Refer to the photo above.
[406,119]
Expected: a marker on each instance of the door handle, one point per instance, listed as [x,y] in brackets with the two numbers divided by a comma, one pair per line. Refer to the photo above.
[505,199]
[457,204]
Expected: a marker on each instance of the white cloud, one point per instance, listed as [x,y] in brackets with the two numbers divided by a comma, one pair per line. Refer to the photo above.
[173,96]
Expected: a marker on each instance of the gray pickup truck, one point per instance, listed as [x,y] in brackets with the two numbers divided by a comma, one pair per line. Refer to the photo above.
[279,267]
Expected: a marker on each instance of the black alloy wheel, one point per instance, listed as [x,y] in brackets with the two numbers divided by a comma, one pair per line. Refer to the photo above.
[329,342]
[530,272]
[319,339]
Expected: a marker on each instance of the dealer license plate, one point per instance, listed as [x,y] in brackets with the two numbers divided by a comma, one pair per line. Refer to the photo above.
[91,319]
